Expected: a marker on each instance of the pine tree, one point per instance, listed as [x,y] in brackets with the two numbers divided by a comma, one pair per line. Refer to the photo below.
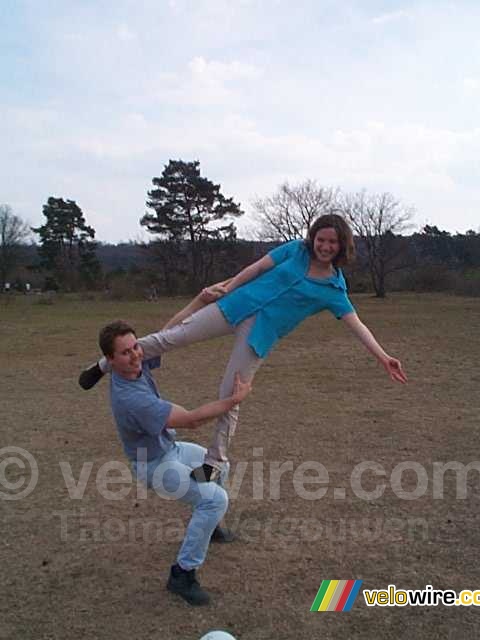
[67,248]
[188,211]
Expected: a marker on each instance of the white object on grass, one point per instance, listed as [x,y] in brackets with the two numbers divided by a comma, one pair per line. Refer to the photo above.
[217,635]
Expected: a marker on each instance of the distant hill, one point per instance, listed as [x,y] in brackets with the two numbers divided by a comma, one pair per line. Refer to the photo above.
[128,254]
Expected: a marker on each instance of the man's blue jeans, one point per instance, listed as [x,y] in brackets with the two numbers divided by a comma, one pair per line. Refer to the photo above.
[170,477]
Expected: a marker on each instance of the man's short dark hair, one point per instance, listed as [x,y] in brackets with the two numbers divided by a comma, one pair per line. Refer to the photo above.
[107,335]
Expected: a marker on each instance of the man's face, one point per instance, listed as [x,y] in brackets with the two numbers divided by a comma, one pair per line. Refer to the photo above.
[127,356]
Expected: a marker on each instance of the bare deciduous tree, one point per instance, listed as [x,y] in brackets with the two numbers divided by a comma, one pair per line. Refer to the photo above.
[13,233]
[287,214]
[377,219]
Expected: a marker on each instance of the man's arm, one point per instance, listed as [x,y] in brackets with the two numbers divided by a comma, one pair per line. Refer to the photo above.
[392,366]
[183,418]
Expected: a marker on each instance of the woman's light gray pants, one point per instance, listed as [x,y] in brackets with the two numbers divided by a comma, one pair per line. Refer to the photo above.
[206,323]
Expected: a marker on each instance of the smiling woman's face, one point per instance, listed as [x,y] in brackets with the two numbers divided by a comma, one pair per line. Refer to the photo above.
[326,245]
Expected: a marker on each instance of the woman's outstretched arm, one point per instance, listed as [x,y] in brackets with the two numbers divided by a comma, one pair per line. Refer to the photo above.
[206,296]
[392,366]
[216,291]
[89,377]
[250,273]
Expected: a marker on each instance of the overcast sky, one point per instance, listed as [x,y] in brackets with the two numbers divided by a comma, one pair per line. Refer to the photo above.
[97,96]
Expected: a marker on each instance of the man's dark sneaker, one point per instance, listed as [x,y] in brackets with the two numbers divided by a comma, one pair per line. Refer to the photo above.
[89,377]
[222,535]
[205,473]
[185,584]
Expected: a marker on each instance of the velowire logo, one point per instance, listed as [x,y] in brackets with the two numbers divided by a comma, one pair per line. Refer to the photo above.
[336,595]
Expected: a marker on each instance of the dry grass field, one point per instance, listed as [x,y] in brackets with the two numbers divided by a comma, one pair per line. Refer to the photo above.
[90,567]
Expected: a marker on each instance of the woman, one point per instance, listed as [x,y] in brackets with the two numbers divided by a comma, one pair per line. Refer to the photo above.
[260,305]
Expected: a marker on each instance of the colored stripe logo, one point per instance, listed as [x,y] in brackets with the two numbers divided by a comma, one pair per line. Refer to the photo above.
[336,595]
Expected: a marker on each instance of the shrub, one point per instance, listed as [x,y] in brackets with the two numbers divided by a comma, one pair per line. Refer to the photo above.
[428,278]
[47,298]
[468,284]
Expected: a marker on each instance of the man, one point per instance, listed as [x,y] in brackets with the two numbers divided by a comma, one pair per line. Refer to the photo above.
[145,422]
[89,377]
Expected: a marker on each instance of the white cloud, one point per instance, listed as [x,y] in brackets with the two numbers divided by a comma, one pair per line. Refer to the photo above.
[258,92]
[125,34]
[204,83]
[471,84]
[391,17]
[222,71]
[109,171]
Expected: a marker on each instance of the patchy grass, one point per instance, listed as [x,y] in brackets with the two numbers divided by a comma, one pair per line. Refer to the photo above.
[87,568]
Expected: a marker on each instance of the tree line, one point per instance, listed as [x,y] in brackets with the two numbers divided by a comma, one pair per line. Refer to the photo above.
[194,239]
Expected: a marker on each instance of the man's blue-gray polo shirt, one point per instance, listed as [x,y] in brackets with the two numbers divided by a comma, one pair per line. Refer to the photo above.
[141,414]
[284,296]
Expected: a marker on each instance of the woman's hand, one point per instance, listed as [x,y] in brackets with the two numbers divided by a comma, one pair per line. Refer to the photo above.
[212,293]
[394,369]
[392,366]
[240,389]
